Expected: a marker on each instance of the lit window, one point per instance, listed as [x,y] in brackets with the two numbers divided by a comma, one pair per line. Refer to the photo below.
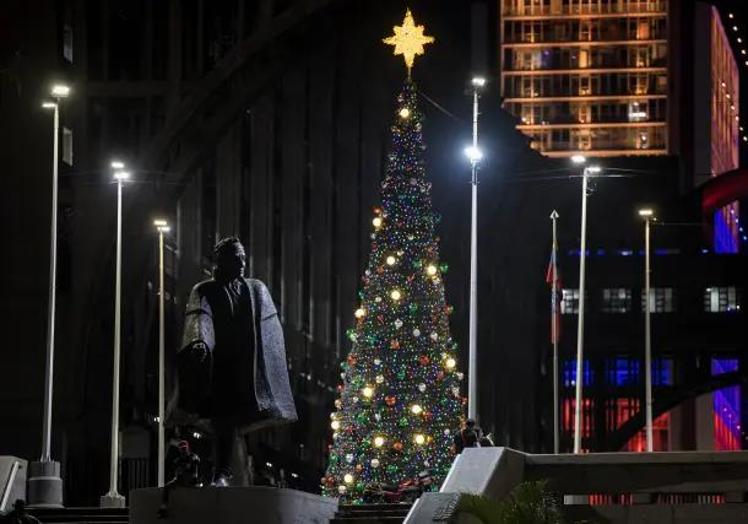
[570,373]
[623,371]
[721,300]
[569,301]
[616,300]
[661,300]
[67,146]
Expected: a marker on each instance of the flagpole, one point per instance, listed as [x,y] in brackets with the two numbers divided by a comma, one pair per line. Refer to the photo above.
[554,332]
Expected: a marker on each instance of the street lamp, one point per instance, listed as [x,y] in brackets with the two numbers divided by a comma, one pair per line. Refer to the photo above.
[113,499]
[648,216]
[475,155]
[587,171]
[162,226]
[45,484]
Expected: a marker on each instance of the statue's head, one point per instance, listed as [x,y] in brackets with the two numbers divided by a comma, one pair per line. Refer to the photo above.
[230,258]
[184,447]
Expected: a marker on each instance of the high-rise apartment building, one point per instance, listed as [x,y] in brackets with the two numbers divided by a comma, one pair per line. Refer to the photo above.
[589,76]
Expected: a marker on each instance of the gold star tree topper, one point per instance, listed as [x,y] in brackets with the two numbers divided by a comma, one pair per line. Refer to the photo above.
[408,40]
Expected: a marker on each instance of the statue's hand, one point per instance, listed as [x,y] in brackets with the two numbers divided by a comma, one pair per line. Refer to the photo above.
[199,352]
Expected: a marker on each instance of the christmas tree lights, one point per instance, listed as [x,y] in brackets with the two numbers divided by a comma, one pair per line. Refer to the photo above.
[399,402]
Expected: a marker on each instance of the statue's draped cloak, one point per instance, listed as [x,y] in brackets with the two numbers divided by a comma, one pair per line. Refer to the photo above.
[245,376]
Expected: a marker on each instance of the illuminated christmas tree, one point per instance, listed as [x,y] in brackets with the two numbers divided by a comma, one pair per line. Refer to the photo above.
[400,401]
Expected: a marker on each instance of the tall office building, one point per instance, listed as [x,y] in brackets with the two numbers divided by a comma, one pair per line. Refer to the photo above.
[588,76]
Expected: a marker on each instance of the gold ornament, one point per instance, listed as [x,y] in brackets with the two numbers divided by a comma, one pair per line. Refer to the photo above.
[431,270]
[378,442]
[450,363]
[420,439]
[348,478]
[360,312]
[391,261]
[416,409]
[368,391]
[395,295]
[377,222]
[404,112]
[408,40]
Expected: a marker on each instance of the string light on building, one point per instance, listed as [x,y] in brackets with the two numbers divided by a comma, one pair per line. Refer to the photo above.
[729,96]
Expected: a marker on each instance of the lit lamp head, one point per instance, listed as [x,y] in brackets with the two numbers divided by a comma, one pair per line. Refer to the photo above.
[646,213]
[593,170]
[478,81]
[162,226]
[474,154]
[116,164]
[60,91]
[48,105]
[578,159]
[121,176]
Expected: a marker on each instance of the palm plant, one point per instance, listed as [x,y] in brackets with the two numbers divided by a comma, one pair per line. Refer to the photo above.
[528,503]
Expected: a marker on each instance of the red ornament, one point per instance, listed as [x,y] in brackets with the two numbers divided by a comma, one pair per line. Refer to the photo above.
[424,360]
[398,446]
[394,344]
[390,400]
[428,416]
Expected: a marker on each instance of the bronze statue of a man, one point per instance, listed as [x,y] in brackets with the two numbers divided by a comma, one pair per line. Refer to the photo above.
[232,361]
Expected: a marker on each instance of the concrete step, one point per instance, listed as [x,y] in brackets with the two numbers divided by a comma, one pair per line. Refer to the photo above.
[368,520]
[81,515]
[371,514]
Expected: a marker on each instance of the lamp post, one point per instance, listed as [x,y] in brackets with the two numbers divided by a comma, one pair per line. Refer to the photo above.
[162,227]
[648,216]
[45,484]
[587,171]
[475,155]
[113,499]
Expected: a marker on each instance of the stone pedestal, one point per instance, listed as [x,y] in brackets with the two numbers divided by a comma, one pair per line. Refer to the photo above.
[112,500]
[231,506]
[44,485]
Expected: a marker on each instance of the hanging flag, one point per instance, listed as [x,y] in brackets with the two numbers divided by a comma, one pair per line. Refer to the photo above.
[553,279]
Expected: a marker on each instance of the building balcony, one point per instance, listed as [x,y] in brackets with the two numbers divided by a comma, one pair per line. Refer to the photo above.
[612,10]
[608,123]
[555,70]
[582,43]
[511,98]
